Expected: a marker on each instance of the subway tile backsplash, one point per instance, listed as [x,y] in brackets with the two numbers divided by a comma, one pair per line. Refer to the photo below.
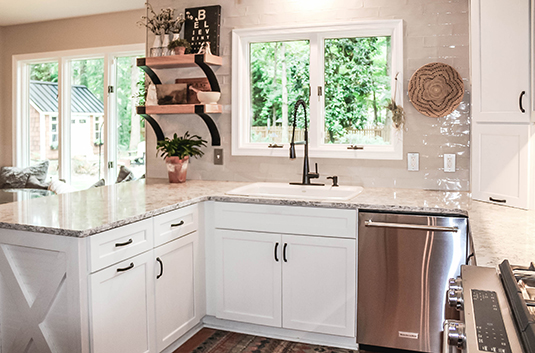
[434,31]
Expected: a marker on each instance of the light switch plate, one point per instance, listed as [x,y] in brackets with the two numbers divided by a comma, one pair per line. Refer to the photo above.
[449,163]
[413,162]
[218,156]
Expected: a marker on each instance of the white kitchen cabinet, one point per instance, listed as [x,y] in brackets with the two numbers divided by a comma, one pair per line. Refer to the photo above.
[178,287]
[299,282]
[122,306]
[502,150]
[318,281]
[248,277]
[501,164]
[500,60]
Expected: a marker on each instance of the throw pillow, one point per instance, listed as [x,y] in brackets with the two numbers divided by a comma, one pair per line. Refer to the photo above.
[60,187]
[99,183]
[125,174]
[34,183]
[14,178]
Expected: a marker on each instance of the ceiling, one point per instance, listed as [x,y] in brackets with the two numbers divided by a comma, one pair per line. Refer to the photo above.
[13,12]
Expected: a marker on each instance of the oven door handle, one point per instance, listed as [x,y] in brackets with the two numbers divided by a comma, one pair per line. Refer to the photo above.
[371,223]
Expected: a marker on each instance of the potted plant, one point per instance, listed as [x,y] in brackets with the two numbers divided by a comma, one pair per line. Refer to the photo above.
[176,152]
[179,46]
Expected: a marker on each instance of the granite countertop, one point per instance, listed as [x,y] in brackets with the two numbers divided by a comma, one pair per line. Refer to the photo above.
[498,232]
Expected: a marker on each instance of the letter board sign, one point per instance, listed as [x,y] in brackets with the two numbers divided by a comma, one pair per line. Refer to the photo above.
[203,25]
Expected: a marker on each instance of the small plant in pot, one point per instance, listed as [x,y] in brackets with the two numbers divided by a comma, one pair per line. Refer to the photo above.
[179,46]
[177,151]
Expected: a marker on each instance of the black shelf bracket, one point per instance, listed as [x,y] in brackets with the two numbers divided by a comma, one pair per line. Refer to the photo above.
[141,63]
[214,84]
[214,133]
[153,123]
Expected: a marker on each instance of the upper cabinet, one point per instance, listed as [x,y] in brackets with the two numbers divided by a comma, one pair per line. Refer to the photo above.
[500,60]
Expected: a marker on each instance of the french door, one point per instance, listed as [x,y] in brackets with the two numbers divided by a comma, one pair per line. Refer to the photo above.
[76,109]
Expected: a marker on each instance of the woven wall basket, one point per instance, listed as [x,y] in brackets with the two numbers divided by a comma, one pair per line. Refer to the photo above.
[436,89]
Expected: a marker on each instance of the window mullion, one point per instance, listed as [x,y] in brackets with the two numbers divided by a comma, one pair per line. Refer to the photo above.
[110,117]
[64,119]
[316,80]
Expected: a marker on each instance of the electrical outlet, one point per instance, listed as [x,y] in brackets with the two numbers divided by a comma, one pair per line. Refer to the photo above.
[218,156]
[449,163]
[413,162]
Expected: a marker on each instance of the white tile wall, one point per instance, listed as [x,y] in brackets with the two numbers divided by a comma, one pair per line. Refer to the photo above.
[435,30]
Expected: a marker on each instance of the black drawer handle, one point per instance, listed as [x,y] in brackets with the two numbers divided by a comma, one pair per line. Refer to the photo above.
[130,241]
[177,224]
[497,200]
[274,145]
[131,266]
[520,101]
[161,267]
[276,246]
[284,252]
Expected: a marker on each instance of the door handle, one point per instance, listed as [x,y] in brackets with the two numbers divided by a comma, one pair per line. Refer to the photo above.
[161,267]
[410,226]
[520,102]
[284,252]
[276,247]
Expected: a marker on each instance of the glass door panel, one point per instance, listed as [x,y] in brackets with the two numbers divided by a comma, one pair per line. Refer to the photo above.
[87,115]
[130,127]
[42,115]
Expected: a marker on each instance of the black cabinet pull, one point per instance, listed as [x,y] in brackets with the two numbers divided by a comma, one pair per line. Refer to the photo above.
[284,252]
[161,267]
[520,102]
[274,145]
[130,241]
[177,224]
[497,200]
[131,266]
[276,247]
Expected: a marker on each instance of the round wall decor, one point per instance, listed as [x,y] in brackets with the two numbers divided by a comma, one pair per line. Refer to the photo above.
[436,89]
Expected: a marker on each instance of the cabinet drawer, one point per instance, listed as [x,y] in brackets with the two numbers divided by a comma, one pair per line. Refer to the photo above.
[118,244]
[286,219]
[174,224]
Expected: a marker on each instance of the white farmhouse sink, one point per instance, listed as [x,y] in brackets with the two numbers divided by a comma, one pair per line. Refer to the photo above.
[327,192]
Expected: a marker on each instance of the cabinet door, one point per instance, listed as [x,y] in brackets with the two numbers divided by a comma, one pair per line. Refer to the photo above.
[319,284]
[178,288]
[500,52]
[500,170]
[248,277]
[122,306]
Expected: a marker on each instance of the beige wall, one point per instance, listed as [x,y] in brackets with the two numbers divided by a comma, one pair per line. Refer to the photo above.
[434,30]
[74,33]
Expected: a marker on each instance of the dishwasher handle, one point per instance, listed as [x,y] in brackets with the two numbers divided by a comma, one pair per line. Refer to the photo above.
[370,223]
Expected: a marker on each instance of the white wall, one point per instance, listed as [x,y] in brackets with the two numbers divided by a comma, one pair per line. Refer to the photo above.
[72,33]
[435,30]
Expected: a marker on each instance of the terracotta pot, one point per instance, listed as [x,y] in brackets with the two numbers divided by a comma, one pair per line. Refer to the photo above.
[179,50]
[177,169]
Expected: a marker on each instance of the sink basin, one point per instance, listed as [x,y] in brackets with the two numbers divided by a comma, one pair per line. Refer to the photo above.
[327,192]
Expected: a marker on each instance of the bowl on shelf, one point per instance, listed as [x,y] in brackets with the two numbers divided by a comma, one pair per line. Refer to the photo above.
[208,97]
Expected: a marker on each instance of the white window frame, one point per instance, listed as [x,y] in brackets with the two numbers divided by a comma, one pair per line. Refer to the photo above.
[20,86]
[241,102]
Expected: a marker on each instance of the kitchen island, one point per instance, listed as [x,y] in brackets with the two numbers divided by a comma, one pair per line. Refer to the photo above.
[498,232]
[74,266]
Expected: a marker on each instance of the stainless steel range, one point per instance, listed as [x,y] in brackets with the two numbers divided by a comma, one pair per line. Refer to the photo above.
[497,310]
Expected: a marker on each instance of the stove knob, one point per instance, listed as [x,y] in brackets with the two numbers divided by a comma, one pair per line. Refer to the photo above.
[455,299]
[455,283]
[455,334]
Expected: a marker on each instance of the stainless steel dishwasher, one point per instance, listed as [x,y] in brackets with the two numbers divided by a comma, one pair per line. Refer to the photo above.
[404,263]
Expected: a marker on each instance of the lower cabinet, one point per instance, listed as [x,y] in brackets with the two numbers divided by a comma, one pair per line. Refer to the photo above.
[296,282]
[122,306]
[177,288]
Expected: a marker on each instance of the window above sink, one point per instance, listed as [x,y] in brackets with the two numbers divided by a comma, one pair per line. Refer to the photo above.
[345,72]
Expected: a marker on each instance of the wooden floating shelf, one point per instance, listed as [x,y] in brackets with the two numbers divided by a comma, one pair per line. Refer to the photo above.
[179,109]
[173,61]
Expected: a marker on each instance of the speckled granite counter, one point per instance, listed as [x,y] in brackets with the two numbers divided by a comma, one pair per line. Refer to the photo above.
[498,232]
